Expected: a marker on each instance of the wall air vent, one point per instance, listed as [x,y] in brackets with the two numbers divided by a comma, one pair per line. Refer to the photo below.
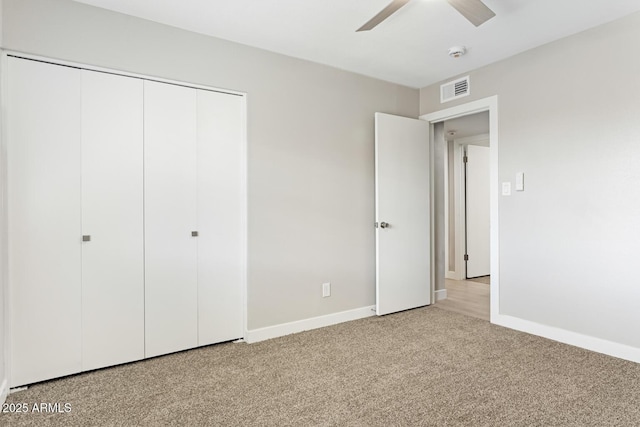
[455,89]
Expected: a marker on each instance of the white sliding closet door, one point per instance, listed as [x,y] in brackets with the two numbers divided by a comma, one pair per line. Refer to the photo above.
[220,213]
[112,215]
[171,292]
[44,215]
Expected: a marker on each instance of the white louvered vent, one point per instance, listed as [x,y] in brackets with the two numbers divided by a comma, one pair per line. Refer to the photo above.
[455,89]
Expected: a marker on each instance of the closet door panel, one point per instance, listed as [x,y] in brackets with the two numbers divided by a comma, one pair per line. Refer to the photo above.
[112,215]
[170,217]
[220,217]
[44,220]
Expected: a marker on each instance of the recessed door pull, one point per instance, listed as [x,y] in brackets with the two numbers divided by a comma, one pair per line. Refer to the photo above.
[86,238]
[194,234]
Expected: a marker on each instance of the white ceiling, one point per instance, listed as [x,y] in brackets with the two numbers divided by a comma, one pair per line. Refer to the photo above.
[409,48]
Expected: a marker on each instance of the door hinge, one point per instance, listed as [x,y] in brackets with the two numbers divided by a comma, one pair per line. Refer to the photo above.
[466,257]
[376,225]
[465,159]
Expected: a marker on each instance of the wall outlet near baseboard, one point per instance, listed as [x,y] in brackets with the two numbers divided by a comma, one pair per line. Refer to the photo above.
[326,289]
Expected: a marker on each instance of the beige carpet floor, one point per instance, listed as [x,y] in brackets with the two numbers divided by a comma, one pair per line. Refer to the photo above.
[426,367]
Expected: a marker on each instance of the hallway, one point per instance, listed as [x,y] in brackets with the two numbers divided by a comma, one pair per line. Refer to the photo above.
[470,297]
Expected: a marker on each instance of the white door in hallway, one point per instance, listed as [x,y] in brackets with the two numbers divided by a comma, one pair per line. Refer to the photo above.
[403,224]
[478,210]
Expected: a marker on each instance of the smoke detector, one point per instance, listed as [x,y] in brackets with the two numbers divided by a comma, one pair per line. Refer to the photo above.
[457,51]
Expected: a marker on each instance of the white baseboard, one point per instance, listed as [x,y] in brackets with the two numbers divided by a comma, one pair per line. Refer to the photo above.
[4,391]
[441,294]
[598,345]
[283,329]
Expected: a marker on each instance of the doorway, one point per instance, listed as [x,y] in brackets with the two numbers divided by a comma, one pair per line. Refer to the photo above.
[466,196]
[442,208]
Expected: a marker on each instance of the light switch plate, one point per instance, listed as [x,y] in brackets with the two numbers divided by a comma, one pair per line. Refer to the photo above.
[326,289]
[506,188]
[520,181]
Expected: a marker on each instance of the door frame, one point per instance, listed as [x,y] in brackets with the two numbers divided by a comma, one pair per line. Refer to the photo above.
[489,104]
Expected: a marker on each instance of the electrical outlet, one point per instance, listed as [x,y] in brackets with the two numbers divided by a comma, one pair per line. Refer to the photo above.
[326,289]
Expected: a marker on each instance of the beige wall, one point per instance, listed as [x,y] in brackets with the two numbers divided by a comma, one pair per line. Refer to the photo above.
[569,118]
[310,146]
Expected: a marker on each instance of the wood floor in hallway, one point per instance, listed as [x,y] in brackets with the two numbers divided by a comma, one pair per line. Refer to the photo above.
[467,297]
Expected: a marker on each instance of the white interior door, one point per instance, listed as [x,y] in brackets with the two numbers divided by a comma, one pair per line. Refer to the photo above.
[44,216]
[220,217]
[478,211]
[112,218]
[171,294]
[403,246]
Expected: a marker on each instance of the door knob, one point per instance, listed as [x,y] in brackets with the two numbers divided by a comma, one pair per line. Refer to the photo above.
[384,225]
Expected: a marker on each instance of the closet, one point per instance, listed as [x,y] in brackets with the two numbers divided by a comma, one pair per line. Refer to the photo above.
[125,218]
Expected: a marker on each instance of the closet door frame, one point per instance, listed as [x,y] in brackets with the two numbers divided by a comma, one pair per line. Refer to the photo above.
[4,282]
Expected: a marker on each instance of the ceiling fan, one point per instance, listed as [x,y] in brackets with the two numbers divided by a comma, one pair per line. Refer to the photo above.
[474,10]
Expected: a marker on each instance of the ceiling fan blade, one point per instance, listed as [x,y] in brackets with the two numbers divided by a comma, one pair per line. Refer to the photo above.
[474,10]
[384,14]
